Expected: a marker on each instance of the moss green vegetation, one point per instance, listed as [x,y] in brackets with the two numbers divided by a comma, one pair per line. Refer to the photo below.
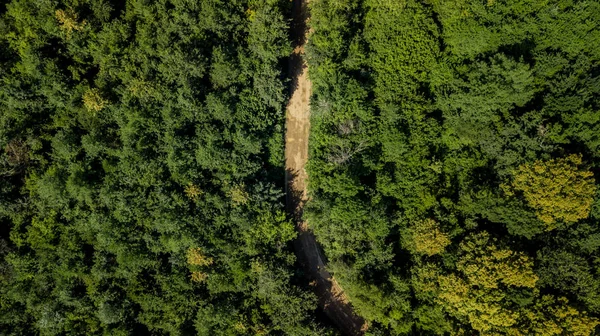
[454,161]
[454,166]
[141,173]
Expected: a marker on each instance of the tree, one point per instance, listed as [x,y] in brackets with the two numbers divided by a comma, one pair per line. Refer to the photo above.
[93,101]
[141,170]
[570,274]
[69,21]
[424,237]
[558,190]
[494,291]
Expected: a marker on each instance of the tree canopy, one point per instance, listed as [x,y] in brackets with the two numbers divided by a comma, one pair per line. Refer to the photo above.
[469,202]
[454,162]
[142,170]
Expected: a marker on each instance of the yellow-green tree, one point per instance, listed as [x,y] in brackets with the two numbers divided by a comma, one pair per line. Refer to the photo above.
[238,194]
[425,237]
[486,265]
[192,191]
[196,259]
[93,101]
[554,316]
[477,293]
[69,21]
[558,190]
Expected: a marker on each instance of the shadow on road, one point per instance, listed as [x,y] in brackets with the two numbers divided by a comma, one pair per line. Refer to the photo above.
[331,296]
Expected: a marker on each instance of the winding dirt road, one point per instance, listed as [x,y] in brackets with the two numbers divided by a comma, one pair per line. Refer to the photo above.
[331,297]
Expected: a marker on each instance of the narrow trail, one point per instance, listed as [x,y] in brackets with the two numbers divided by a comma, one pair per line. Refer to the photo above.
[332,299]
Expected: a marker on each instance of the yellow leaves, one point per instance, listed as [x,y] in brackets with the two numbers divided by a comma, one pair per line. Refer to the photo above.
[68,21]
[482,309]
[474,293]
[453,289]
[425,237]
[199,276]
[484,264]
[244,327]
[477,294]
[238,195]
[554,316]
[557,190]
[250,14]
[507,189]
[141,88]
[192,191]
[239,326]
[196,258]
[93,101]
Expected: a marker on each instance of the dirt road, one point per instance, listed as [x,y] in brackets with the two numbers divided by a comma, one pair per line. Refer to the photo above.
[331,297]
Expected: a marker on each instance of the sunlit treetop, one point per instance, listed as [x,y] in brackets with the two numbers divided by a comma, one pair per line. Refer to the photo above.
[558,189]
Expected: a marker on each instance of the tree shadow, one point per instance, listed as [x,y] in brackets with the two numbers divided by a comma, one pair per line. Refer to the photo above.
[299,27]
[294,198]
[312,259]
[298,34]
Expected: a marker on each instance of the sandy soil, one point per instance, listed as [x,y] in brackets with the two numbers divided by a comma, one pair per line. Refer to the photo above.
[331,296]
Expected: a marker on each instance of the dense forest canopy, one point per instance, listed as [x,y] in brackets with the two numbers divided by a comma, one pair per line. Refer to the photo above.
[454,166]
[142,170]
[454,162]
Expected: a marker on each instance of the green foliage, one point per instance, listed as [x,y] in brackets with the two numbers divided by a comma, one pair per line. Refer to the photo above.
[572,274]
[140,179]
[445,109]
[388,306]
[141,166]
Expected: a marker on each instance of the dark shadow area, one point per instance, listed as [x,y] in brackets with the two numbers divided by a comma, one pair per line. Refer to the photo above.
[296,67]
[298,27]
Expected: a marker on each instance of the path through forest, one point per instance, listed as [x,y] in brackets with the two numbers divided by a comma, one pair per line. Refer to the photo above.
[331,297]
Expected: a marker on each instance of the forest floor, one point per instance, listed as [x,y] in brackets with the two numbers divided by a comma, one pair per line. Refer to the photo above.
[332,299]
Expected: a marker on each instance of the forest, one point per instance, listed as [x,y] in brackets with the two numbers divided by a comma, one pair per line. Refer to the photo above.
[141,176]
[454,166]
[454,160]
